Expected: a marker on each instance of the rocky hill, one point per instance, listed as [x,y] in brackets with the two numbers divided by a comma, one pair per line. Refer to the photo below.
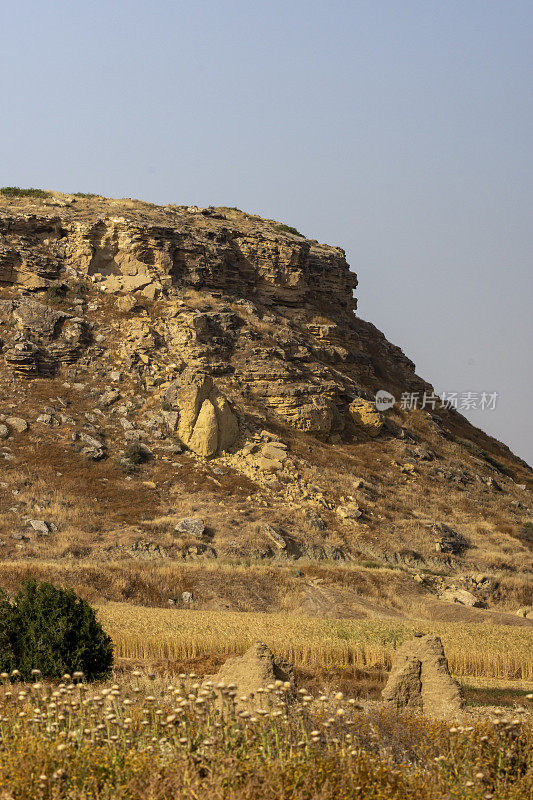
[183,384]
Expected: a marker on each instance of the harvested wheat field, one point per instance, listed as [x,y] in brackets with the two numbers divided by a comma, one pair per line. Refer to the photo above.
[476,650]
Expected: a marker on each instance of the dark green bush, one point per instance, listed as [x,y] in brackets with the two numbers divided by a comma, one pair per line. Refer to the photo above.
[527,532]
[282,228]
[86,195]
[16,191]
[136,453]
[54,631]
[56,293]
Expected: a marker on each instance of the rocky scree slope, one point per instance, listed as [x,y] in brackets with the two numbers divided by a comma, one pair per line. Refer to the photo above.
[223,352]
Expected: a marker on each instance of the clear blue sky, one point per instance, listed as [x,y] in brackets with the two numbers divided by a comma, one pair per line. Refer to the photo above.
[401,130]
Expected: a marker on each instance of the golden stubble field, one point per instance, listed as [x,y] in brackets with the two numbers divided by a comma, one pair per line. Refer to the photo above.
[478,650]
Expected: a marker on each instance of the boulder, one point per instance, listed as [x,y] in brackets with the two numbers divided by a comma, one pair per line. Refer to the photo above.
[38,319]
[18,424]
[126,303]
[349,511]
[228,426]
[274,450]
[275,537]
[109,397]
[206,423]
[420,680]
[204,437]
[461,596]
[191,526]
[40,526]
[366,416]
[254,670]
[449,540]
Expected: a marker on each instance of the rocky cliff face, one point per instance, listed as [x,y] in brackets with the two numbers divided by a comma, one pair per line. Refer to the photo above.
[289,338]
[224,347]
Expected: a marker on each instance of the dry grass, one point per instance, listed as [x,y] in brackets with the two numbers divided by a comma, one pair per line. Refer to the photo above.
[142,739]
[473,650]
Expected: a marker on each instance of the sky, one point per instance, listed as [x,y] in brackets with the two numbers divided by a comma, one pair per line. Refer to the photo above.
[400,130]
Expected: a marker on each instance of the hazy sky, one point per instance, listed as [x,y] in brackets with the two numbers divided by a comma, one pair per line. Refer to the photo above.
[401,130]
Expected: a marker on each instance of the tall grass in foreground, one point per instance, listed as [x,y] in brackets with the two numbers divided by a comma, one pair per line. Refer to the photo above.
[142,739]
[153,633]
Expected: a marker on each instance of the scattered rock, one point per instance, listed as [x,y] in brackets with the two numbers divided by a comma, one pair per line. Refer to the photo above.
[40,526]
[18,424]
[461,596]
[191,526]
[349,511]
[109,397]
[4,431]
[449,541]
[275,537]
[420,680]
[94,448]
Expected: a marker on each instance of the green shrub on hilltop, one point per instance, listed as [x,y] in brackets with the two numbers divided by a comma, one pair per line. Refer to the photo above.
[282,228]
[16,191]
[86,195]
[52,630]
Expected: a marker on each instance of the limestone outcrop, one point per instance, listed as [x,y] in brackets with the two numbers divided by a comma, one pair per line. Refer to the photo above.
[420,680]
[128,254]
[284,327]
[206,422]
[366,416]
